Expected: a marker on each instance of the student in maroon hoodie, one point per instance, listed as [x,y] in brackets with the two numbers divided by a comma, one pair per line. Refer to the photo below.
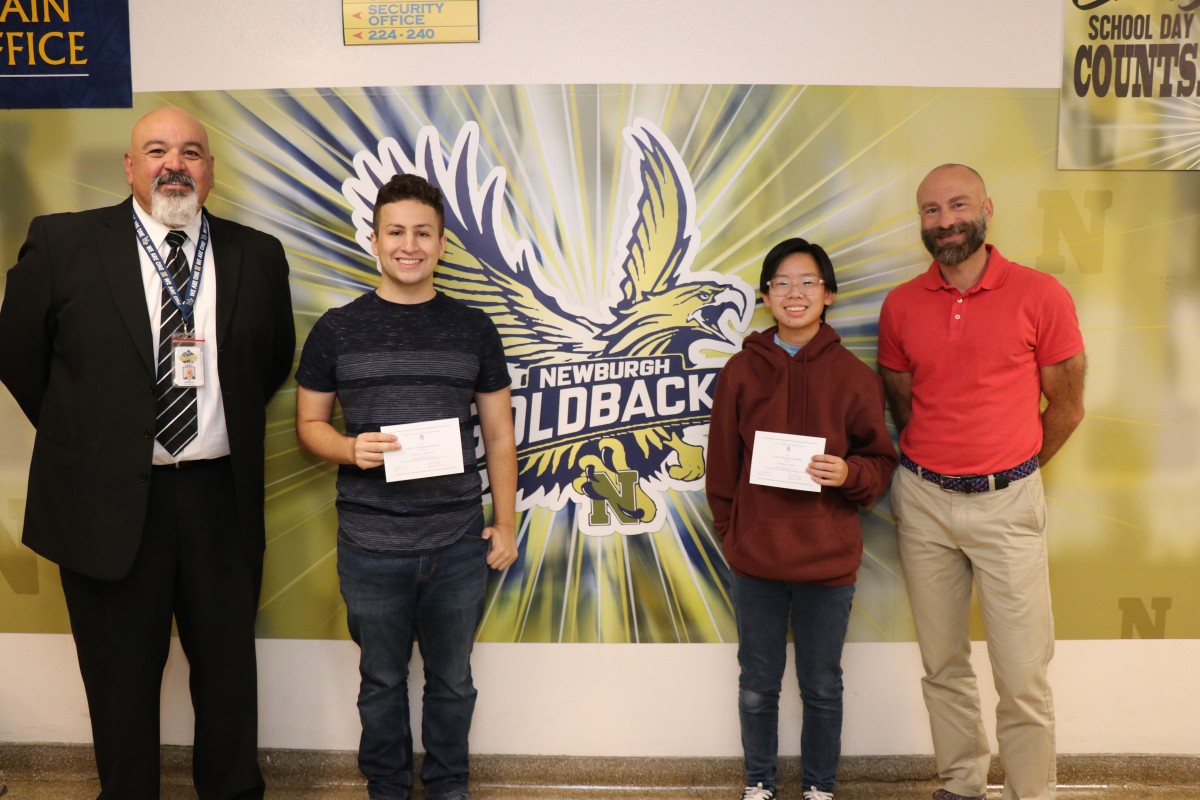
[793,554]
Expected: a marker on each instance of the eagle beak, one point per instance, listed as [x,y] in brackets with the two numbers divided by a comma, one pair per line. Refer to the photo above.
[709,316]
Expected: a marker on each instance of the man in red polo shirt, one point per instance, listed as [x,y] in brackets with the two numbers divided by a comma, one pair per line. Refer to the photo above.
[967,351]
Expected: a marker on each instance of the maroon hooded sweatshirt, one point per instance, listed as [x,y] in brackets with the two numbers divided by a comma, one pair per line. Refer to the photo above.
[824,390]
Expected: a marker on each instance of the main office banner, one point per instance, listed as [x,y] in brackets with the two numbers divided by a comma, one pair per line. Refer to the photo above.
[615,233]
[1131,85]
[65,54]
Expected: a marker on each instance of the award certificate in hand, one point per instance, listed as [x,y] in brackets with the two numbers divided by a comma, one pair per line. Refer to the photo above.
[781,460]
[426,449]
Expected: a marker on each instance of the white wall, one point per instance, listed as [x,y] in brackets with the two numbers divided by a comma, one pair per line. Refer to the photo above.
[298,43]
[1127,696]
[1112,696]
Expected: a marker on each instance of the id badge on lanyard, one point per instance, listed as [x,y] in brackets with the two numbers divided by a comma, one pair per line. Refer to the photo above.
[187,348]
[187,358]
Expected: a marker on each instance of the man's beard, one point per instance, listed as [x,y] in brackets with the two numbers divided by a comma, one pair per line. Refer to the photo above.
[974,234]
[170,208]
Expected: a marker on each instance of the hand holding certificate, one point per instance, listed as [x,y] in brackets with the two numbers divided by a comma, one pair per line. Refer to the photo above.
[427,449]
[781,460]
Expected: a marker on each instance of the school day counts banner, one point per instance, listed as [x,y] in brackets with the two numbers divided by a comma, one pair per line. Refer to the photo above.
[616,233]
[1131,88]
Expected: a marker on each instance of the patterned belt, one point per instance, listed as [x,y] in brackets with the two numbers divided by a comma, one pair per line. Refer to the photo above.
[971,484]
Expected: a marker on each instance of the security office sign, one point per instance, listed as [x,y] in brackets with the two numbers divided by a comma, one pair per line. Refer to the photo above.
[409,23]
[64,54]
[1131,88]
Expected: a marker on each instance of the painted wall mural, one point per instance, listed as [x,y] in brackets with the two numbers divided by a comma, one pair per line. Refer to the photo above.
[615,234]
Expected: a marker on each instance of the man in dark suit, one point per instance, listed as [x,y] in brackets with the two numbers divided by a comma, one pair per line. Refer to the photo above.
[146,482]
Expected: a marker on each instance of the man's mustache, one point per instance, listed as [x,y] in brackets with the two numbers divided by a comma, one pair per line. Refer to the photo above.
[173,179]
[958,227]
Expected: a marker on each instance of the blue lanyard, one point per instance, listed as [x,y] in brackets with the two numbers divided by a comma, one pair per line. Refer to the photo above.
[186,303]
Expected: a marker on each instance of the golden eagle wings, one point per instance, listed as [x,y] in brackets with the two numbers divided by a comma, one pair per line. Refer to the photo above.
[658,307]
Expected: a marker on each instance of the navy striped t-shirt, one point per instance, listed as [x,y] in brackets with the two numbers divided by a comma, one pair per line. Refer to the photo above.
[390,364]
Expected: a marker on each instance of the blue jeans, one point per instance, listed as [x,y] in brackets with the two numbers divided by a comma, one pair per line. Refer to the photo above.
[439,598]
[819,616]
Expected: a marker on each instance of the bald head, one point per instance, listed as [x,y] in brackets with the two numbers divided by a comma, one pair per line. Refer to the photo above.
[169,165]
[959,173]
[167,118]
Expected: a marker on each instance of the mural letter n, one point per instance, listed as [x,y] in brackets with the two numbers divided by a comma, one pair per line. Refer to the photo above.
[1062,220]
[1134,615]
[606,495]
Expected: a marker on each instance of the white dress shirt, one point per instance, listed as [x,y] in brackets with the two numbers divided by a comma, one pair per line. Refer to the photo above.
[212,440]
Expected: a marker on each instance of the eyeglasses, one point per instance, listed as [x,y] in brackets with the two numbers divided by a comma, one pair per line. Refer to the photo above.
[806,287]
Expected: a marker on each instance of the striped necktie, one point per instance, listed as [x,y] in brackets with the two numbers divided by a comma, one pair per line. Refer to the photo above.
[177,423]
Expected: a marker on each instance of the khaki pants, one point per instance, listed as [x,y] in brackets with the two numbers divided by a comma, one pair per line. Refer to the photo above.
[996,540]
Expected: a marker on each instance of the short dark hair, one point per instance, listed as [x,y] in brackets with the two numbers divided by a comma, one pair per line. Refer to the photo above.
[409,187]
[797,245]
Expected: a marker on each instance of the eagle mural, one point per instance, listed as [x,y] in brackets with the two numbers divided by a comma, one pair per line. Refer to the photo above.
[611,403]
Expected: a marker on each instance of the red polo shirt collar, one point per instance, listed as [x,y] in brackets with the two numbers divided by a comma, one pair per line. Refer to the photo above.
[993,274]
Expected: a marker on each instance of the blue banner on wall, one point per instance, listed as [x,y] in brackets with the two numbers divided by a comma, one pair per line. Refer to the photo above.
[65,54]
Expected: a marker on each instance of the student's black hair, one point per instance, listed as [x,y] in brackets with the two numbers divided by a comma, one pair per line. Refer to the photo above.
[796,245]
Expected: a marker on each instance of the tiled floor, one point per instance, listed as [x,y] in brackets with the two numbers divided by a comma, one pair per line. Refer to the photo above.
[48,772]
[855,790]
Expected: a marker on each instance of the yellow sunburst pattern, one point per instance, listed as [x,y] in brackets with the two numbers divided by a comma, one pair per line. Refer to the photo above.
[621,224]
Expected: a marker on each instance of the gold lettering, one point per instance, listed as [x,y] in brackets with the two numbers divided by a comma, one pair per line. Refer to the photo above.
[77,47]
[14,6]
[46,57]
[64,10]
[16,45]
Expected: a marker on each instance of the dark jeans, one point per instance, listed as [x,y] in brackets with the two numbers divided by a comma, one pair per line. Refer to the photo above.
[819,616]
[439,598]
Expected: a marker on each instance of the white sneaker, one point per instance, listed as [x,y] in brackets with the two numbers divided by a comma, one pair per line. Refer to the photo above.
[813,793]
[757,792]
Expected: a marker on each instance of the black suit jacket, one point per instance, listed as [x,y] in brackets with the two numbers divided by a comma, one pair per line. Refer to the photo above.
[76,353]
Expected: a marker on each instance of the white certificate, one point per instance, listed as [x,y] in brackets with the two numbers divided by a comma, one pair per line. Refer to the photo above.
[781,459]
[426,449]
